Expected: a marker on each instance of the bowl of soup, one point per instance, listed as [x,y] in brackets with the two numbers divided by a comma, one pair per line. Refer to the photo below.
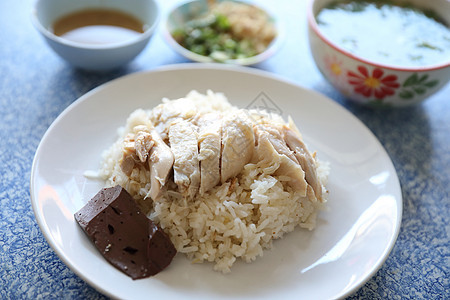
[96,35]
[222,31]
[382,53]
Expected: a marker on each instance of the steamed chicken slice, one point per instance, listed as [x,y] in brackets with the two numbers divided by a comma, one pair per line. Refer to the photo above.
[166,113]
[143,145]
[129,156]
[209,142]
[183,142]
[293,139]
[137,142]
[271,149]
[160,161]
[238,143]
[136,148]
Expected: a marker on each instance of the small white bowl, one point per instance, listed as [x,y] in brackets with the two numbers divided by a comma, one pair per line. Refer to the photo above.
[187,11]
[405,86]
[96,57]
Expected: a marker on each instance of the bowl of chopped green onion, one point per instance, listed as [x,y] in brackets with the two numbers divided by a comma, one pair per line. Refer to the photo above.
[226,31]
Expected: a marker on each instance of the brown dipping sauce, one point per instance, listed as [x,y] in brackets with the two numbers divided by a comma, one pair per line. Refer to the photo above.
[98,26]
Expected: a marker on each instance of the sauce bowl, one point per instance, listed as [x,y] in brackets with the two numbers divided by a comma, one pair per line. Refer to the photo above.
[372,83]
[90,56]
[187,11]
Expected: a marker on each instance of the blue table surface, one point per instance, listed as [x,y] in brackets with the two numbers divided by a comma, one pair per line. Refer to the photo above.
[36,86]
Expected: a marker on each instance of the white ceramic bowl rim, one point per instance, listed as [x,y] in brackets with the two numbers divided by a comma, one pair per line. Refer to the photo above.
[313,24]
[273,46]
[146,34]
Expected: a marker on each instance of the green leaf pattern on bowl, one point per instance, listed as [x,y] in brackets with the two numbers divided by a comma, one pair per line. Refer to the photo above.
[416,85]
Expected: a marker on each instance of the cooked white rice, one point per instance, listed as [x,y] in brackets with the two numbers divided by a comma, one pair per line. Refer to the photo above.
[238,219]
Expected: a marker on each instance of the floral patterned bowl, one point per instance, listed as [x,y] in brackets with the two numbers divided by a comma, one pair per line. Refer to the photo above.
[370,83]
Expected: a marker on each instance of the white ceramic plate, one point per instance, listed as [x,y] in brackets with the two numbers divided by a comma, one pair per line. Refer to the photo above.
[352,239]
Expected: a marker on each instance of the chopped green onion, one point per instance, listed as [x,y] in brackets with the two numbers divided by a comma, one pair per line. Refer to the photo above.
[211,36]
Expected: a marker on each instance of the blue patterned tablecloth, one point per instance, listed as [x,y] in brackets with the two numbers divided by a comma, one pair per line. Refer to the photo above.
[36,86]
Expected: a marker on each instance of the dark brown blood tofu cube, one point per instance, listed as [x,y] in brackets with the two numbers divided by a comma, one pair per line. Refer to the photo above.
[124,235]
[160,248]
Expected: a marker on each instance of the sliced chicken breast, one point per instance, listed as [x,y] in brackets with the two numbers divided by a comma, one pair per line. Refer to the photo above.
[271,149]
[209,142]
[294,141]
[144,146]
[238,143]
[183,138]
[165,114]
[160,161]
